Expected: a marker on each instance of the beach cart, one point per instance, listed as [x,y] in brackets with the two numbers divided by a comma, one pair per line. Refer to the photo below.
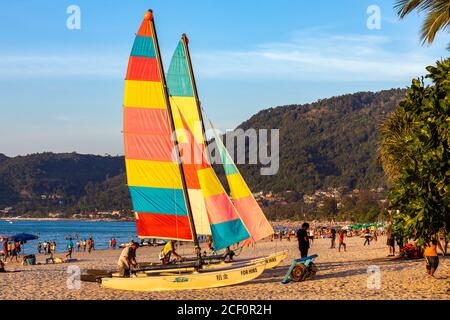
[301,269]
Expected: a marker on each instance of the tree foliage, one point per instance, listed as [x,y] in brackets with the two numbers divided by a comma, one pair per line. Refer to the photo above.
[437,16]
[419,165]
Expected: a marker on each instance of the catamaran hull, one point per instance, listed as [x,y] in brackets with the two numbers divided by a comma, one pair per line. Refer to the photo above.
[271,261]
[191,281]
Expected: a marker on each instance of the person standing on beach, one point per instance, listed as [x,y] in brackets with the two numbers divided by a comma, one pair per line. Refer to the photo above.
[39,247]
[341,240]
[5,249]
[12,251]
[367,236]
[333,238]
[90,245]
[127,260]
[303,240]
[390,242]
[114,243]
[431,256]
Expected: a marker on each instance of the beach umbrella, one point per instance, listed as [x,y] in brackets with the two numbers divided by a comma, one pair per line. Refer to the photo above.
[24,237]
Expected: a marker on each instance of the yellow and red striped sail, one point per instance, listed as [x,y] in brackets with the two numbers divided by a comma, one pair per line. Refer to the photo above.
[249,210]
[183,101]
[154,176]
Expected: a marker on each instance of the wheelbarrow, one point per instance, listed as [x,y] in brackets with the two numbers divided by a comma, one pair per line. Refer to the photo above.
[301,269]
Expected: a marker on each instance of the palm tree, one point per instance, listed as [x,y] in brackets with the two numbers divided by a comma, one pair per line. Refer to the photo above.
[438,16]
[395,137]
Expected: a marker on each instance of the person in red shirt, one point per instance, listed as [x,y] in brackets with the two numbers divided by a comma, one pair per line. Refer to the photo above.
[341,240]
[5,248]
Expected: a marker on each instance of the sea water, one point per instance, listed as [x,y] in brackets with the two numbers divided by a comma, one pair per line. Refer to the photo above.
[60,231]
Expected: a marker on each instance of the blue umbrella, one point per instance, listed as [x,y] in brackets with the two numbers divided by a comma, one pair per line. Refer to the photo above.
[23,237]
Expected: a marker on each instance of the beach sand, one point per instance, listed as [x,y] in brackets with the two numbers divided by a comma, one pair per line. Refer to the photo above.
[341,275]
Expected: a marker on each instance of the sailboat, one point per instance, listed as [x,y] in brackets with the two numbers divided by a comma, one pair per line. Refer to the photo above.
[175,198]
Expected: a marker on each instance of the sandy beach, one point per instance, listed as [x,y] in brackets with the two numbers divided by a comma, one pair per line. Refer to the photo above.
[341,276]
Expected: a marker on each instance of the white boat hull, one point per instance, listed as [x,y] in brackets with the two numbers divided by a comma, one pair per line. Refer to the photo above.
[189,281]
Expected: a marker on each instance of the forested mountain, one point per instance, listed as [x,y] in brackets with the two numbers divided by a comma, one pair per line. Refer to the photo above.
[49,181]
[329,143]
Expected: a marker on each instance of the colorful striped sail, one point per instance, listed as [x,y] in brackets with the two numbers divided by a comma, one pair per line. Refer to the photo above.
[227,227]
[249,210]
[182,100]
[153,173]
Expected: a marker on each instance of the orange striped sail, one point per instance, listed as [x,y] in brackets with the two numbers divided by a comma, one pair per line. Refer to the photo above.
[227,227]
[153,173]
[247,206]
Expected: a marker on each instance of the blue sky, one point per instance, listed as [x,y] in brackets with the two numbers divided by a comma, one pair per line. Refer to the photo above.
[61,90]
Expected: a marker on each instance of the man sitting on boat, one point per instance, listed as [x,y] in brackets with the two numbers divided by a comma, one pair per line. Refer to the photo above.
[127,260]
[167,252]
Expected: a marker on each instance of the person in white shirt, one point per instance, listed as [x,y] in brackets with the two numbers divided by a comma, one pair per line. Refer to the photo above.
[127,260]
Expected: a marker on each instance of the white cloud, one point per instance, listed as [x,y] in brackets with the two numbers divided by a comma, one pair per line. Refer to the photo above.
[61,65]
[319,57]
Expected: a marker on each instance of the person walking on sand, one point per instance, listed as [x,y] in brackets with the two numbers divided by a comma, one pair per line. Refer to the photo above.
[341,240]
[69,248]
[367,236]
[303,240]
[127,260]
[431,256]
[333,238]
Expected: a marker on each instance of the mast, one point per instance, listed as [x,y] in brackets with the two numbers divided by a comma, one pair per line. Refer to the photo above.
[185,41]
[172,125]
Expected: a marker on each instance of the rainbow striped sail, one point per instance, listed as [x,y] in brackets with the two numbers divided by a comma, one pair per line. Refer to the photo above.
[227,227]
[249,210]
[153,173]
[183,101]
